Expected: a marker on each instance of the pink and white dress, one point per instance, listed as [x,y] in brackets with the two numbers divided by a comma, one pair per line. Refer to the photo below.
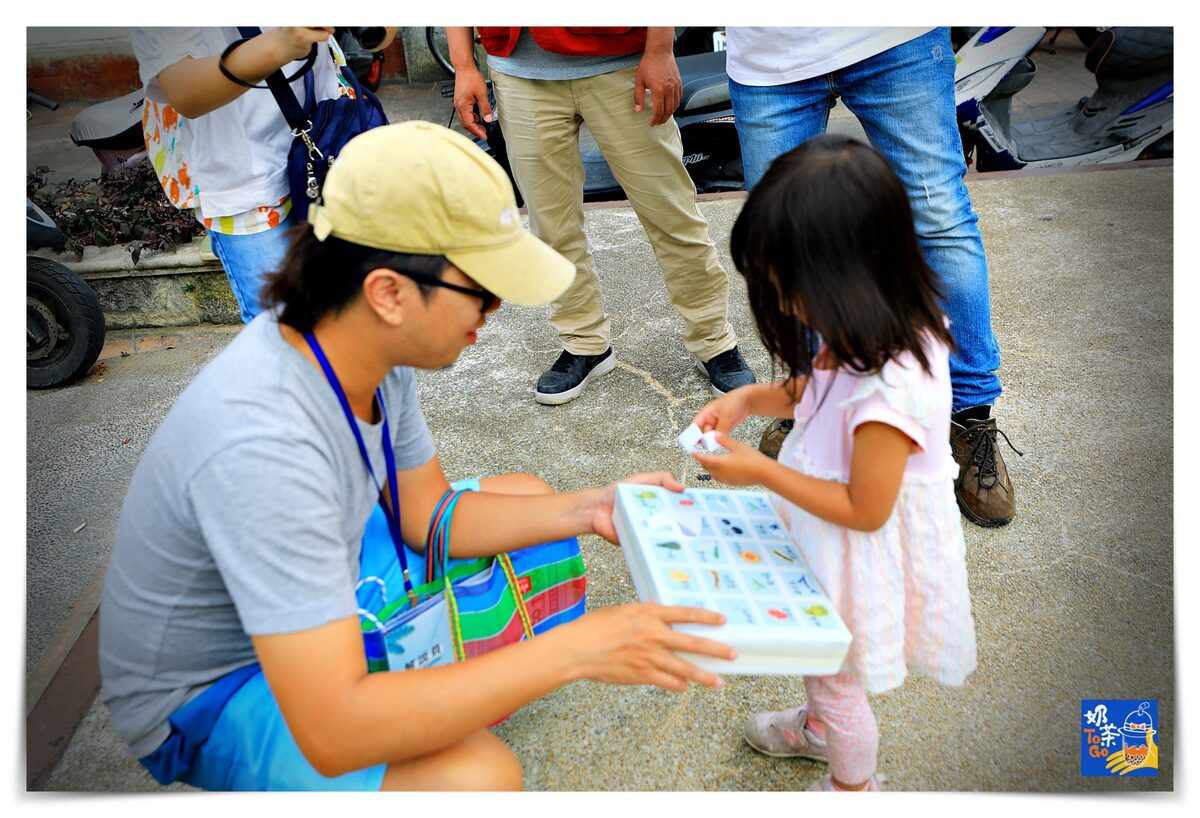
[901,590]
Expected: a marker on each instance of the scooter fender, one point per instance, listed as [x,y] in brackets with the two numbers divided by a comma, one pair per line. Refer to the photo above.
[988,57]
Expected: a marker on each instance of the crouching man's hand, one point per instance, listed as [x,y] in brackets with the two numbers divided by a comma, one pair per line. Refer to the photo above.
[598,503]
[635,644]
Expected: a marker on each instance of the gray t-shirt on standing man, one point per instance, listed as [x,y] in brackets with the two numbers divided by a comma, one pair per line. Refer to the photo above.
[530,61]
[244,516]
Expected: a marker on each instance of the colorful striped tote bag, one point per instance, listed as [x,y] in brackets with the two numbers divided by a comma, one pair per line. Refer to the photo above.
[468,607]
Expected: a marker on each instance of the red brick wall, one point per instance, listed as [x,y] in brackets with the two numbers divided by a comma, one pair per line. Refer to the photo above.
[83,77]
[394,64]
[105,76]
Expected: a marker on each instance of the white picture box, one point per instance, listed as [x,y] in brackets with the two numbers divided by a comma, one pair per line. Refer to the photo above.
[728,551]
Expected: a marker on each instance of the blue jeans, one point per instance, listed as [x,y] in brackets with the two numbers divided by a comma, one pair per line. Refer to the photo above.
[904,99]
[248,259]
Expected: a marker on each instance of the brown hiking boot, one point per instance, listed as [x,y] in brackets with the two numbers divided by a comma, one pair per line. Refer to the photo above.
[773,436]
[983,490]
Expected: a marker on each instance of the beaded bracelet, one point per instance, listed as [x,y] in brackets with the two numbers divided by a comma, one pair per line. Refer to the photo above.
[229,75]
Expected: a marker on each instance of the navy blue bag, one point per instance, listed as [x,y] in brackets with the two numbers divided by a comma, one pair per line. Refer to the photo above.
[319,129]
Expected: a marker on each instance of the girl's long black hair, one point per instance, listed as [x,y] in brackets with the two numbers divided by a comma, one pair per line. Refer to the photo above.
[826,243]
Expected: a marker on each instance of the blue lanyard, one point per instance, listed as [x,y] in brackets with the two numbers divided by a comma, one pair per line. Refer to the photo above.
[389,457]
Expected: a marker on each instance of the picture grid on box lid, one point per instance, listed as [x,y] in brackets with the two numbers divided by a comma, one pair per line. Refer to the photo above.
[727,551]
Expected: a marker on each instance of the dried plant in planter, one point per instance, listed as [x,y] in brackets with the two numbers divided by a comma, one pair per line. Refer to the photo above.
[126,207]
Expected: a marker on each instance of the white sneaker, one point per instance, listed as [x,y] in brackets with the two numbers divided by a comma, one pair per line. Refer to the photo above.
[784,734]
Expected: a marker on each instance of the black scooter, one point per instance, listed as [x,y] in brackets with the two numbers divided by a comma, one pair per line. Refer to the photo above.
[64,325]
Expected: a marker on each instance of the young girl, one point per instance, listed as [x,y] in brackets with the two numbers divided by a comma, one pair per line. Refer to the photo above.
[845,302]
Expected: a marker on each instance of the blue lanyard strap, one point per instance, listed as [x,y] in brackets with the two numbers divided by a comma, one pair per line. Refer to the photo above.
[389,457]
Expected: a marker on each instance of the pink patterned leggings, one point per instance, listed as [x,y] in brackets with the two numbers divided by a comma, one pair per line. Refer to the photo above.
[851,734]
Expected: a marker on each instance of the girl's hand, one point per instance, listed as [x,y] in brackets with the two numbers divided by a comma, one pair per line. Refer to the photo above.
[725,413]
[598,503]
[635,644]
[743,466]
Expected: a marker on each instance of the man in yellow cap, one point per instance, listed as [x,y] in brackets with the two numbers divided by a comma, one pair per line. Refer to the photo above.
[230,647]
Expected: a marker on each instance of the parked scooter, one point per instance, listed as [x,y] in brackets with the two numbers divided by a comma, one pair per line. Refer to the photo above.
[64,325]
[113,130]
[1129,116]
[711,152]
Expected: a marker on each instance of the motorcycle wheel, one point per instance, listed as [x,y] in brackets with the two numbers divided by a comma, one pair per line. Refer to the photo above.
[435,39]
[64,325]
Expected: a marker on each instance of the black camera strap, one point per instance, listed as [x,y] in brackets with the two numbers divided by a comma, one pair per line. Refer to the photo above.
[293,112]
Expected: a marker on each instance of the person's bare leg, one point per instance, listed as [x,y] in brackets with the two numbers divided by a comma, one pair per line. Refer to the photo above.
[480,762]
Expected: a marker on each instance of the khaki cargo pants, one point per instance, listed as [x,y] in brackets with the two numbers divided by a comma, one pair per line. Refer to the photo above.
[540,120]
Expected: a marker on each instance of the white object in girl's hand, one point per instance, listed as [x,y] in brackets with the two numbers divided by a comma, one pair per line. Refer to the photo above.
[693,440]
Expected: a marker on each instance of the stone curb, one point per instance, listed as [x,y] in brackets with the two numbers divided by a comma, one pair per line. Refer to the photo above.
[108,262]
[164,289]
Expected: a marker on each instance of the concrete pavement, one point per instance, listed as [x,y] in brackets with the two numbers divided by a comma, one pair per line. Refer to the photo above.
[1074,599]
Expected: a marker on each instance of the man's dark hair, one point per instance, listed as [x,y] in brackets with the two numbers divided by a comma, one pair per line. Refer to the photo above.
[319,277]
[828,235]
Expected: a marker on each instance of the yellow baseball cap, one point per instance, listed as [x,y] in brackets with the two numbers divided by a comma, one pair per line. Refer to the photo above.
[416,187]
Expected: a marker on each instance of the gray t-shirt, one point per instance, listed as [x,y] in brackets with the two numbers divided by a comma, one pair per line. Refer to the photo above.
[530,61]
[244,516]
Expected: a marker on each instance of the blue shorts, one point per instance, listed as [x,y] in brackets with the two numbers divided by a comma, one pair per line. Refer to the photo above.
[250,747]
[247,259]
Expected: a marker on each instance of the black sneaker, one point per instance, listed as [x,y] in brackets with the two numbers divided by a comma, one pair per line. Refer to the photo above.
[565,380]
[727,371]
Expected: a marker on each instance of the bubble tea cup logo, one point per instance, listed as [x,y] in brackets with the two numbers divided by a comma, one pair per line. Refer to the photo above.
[1118,737]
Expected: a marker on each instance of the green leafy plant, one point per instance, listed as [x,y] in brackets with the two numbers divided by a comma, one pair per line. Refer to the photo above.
[126,207]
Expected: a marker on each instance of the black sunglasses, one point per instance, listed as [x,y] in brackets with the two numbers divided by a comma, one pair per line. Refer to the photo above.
[486,297]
